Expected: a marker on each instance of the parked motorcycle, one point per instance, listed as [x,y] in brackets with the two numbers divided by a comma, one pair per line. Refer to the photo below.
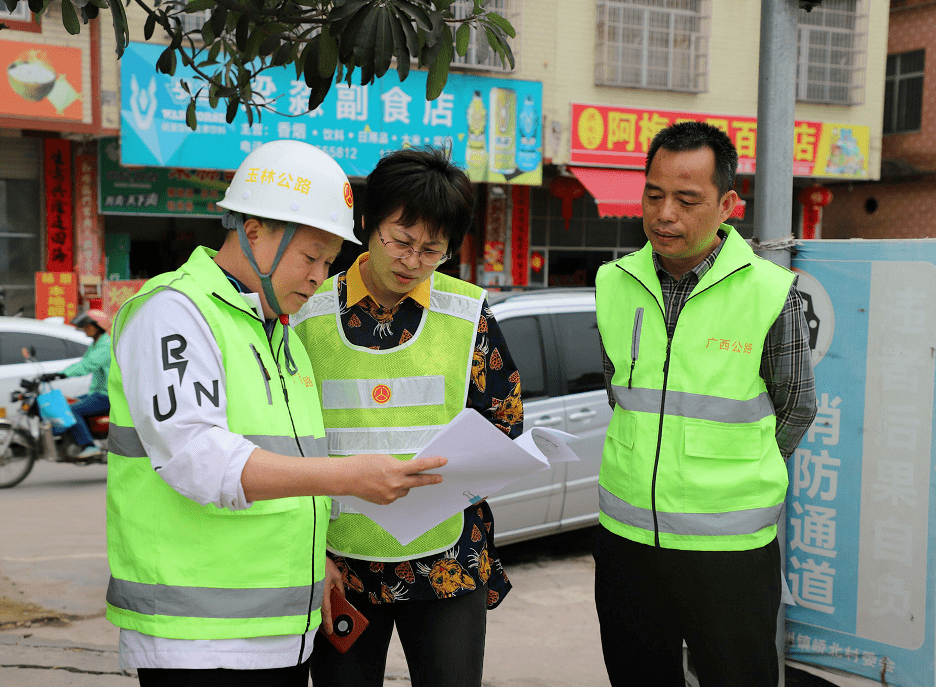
[31,438]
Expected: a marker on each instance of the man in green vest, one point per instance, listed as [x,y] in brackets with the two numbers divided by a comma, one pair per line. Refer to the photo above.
[399,350]
[217,469]
[707,362]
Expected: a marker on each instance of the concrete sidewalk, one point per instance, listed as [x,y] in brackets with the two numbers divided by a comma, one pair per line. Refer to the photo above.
[544,634]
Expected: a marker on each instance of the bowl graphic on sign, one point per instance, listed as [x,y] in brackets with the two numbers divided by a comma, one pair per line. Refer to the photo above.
[31,76]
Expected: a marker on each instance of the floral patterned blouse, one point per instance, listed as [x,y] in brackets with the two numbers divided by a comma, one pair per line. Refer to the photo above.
[494,390]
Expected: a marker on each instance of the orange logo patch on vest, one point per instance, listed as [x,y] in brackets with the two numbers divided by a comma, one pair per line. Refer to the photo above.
[381,393]
[348,195]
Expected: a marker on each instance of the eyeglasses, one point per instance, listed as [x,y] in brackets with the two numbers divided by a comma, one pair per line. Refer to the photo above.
[398,249]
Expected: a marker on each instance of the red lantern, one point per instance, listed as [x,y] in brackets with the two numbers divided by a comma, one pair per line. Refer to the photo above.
[566,189]
[813,198]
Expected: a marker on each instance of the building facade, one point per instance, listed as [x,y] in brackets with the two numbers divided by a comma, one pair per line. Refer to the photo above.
[651,63]
[558,186]
[902,203]
[53,100]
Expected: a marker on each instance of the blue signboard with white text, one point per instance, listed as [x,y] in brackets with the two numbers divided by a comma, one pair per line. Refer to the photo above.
[860,556]
[493,126]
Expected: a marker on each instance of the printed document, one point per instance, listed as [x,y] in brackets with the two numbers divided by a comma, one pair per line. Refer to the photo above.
[482,460]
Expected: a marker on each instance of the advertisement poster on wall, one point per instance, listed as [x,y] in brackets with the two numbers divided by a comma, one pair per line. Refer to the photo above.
[41,81]
[493,126]
[860,556]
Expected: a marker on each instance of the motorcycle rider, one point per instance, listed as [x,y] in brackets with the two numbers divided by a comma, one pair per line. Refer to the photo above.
[95,362]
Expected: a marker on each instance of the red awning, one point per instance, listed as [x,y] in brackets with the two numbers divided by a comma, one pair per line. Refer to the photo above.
[618,191]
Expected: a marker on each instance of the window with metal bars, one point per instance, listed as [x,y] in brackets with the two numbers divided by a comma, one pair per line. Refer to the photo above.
[20,12]
[653,44]
[480,55]
[195,20]
[903,92]
[830,53]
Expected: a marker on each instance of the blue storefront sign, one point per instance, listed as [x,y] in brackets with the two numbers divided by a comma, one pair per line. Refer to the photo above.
[493,126]
[860,558]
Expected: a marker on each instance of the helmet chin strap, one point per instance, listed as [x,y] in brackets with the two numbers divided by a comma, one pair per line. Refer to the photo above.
[235,220]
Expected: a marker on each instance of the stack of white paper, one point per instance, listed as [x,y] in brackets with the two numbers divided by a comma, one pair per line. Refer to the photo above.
[481,461]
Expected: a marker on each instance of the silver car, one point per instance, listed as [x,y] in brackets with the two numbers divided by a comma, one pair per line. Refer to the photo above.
[552,336]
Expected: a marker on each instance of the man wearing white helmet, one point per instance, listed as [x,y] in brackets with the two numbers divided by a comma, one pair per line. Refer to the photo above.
[216,512]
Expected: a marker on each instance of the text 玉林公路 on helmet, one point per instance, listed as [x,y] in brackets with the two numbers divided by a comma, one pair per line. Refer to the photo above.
[293,181]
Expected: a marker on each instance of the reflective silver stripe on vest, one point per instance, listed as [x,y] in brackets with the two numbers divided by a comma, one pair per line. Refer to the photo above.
[453,304]
[286,446]
[696,524]
[399,392]
[697,406]
[124,441]
[211,602]
[347,442]
[319,304]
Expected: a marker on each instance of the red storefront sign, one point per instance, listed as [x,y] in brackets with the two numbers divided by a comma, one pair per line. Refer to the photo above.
[605,136]
[58,186]
[520,236]
[56,295]
[116,294]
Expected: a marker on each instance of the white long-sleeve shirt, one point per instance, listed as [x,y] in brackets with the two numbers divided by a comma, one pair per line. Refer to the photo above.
[196,454]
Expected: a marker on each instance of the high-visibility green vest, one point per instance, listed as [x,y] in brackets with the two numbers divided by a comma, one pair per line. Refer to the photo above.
[391,401]
[186,571]
[690,460]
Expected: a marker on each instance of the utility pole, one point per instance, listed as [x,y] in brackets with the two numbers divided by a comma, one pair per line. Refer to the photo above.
[773,178]
[776,100]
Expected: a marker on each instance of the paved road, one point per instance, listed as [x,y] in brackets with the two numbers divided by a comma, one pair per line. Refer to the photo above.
[53,575]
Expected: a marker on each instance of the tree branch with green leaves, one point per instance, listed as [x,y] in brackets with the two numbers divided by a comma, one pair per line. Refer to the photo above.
[325,41]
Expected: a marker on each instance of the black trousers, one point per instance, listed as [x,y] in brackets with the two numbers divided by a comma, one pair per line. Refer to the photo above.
[443,641]
[292,676]
[724,604]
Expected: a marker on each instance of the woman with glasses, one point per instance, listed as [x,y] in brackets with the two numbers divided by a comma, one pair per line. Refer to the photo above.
[399,350]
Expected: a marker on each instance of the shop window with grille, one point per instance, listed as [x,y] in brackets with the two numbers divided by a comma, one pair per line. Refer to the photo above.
[480,55]
[653,44]
[830,53]
[903,92]
[20,244]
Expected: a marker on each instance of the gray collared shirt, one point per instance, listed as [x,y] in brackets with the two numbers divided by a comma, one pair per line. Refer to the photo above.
[786,364]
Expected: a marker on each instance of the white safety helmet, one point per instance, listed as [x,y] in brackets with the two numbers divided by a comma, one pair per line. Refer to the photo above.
[293,181]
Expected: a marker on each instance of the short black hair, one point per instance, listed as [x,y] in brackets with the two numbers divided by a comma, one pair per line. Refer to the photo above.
[692,136]
[427,187]
[273,225]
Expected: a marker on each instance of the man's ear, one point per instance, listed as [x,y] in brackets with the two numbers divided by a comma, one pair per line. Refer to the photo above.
[252,229]
[728,202]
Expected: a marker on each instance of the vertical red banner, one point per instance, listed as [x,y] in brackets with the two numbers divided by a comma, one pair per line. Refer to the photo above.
[520,236]
[58,192]
[495,230]
[89,233]
[56,295]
